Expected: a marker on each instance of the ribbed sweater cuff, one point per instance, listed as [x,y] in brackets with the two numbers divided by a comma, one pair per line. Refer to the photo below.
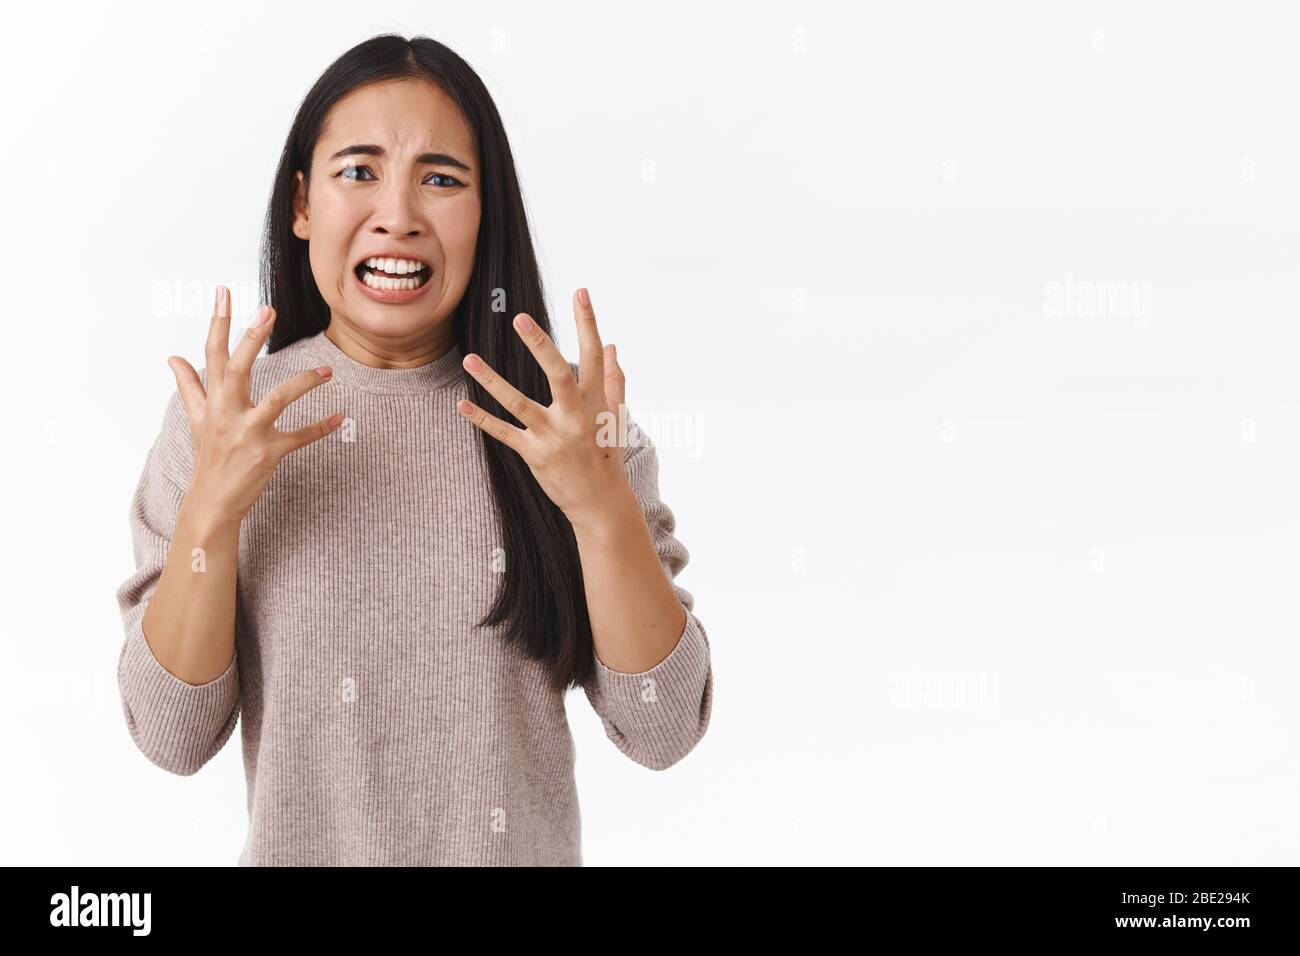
[175,723]
[661,708]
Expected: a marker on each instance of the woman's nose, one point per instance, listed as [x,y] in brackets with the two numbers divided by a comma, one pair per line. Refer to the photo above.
[399,211]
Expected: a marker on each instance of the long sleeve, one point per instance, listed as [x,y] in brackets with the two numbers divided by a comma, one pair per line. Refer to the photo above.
[179,726]
[658,716]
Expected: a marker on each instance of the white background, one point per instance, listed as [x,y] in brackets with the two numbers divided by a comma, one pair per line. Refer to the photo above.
[986,581]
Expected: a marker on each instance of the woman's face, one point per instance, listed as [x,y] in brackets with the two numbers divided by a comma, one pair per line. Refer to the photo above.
[413,192]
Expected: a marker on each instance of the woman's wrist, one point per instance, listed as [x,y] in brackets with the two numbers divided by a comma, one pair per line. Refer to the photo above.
[205,519]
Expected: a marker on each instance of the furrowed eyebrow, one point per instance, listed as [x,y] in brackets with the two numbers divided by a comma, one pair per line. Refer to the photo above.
[424,159]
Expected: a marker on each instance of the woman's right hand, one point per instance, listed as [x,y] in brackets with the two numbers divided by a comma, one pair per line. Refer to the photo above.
[236,444]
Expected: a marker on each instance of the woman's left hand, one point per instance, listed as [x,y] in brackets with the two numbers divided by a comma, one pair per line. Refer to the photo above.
[572,446]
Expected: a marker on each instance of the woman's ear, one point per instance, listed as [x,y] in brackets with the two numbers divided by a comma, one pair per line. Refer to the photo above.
[301,221]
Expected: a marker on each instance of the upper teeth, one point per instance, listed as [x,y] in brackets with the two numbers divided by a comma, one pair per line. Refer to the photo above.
[395,266]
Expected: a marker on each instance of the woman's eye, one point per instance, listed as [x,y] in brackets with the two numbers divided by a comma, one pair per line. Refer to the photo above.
[343,174]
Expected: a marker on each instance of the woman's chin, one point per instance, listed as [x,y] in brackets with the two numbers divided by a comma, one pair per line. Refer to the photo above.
[386,321]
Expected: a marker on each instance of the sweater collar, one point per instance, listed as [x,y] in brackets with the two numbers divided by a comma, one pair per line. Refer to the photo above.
[441,373]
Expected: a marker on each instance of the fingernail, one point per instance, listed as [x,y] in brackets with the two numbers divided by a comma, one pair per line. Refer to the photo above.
[525,323]
[216,306]
[324,371]
[263,315]
[583,297]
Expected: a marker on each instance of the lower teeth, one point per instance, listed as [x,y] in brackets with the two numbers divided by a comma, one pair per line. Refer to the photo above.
[388,283]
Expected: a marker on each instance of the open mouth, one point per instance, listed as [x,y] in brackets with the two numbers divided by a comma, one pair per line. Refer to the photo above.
[393,275]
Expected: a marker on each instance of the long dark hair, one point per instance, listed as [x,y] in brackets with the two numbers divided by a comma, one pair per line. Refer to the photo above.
[541,598]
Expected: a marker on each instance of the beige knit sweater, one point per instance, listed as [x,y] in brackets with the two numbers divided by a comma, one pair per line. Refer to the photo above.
[379,726]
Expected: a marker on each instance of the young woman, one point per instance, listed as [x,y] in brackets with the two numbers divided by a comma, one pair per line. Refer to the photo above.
[396,540]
